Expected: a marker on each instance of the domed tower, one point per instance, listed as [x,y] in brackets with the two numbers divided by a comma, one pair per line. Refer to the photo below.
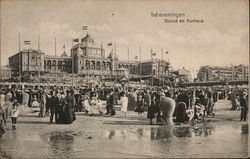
[85,50]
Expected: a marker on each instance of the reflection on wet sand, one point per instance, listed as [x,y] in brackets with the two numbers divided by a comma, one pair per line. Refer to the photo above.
[160,132]
[244,128]
[61,144]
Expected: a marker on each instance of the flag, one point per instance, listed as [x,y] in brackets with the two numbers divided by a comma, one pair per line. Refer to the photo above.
[109,44]
[153,54]
[85,27]
[27,42]
[75,40]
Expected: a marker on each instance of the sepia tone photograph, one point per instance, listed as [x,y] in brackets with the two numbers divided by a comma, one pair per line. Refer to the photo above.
[124,79]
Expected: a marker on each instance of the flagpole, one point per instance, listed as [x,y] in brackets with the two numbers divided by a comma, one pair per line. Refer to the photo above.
[128,53]
[128,69]
[19,37]
[101,68]
[38,44]
[19,58]
[116,78]
[72,56]
[162,67]
[87,57]
[168,72]
[56,61]
[152,80]
[39,73]
[140,66]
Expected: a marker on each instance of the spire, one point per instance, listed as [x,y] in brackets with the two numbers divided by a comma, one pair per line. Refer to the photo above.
[64,53]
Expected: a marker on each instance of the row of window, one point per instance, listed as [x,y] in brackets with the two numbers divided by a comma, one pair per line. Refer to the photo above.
[48,62]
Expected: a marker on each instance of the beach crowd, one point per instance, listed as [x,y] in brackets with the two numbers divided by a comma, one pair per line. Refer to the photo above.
[61,104]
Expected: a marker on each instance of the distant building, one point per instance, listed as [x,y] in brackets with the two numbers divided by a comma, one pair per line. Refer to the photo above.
[5,73]
[182,75]
[87,60]
[228,73]
[28,62]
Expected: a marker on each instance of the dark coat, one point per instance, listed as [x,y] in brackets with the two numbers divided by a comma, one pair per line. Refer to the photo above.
[55,104]
[69,112]
[183,98]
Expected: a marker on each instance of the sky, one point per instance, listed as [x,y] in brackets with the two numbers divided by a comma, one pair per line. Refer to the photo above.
[221,40]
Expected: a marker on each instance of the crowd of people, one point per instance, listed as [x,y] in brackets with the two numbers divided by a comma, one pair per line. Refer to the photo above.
[60,104]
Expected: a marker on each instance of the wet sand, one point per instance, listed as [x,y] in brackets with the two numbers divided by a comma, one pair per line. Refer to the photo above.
[132,137]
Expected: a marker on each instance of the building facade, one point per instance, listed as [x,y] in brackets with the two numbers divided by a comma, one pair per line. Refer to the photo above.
[182,75]
[87,60]
[229,73]
[5,73]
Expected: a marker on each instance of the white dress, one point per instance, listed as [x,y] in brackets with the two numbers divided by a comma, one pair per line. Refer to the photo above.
[86,105]
[14,113]
[124,102]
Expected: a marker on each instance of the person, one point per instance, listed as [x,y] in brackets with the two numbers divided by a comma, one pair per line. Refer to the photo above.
[181,115]
[153,108]
[198,110]
[79,102]
[183,97]
[124,103]
[233,100]
[14,112]
[8,104]
[205,102]
[167,107]
[111,104]
[19,96]
[140,104]
[132,100]
[2,108]
[54,107]
[2,131]
[99,106]
[69,112]
[244,106]
[86,106]
[25,98]
[35,102]
[42,105]
[48,103]
[147,100]
[92,93]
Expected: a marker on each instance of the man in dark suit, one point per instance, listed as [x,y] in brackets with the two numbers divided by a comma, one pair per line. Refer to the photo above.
[244,106]
[54,107]
[111,103]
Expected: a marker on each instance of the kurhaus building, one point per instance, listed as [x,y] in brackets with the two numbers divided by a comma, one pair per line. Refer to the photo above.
[87,59]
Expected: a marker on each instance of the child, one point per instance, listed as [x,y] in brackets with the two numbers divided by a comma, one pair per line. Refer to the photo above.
[86,105]
[124,103]
[14,112]
[99,106]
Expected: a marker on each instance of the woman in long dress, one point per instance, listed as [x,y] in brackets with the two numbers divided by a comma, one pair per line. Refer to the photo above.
[124,103]
[42,105]
[140,104]
[153,108]
[69,113]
